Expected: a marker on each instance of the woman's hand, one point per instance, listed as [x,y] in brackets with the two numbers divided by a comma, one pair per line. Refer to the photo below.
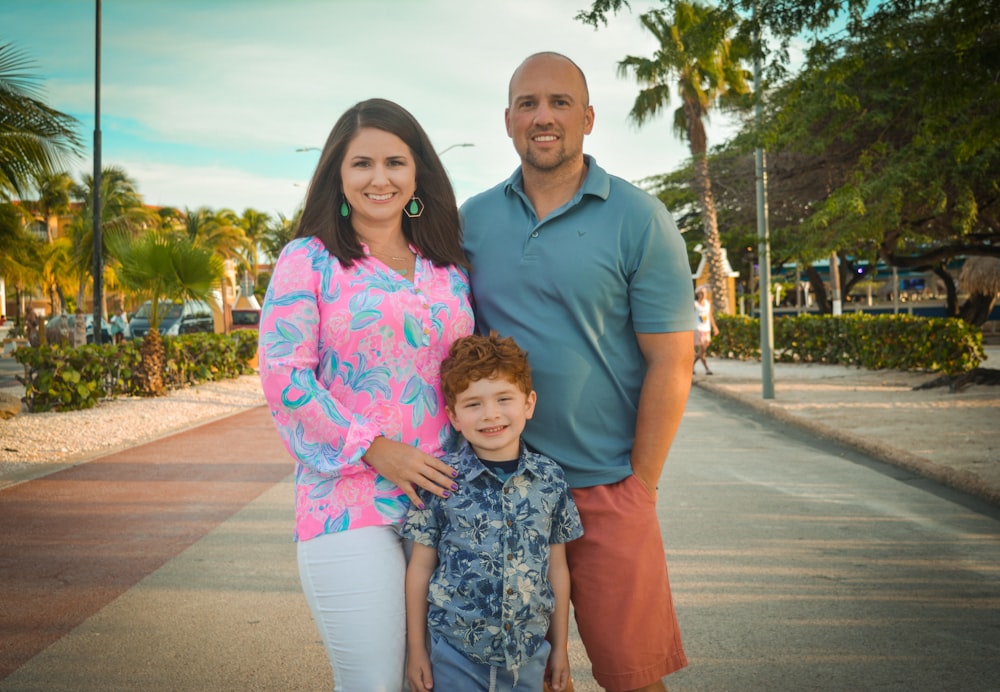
[409,468]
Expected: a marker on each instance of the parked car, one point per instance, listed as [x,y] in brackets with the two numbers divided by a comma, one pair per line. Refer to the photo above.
[61,328]
[188,317]
[246,318]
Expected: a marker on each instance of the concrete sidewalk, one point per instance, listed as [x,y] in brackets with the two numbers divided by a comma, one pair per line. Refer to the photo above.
[170,566]
[950,437]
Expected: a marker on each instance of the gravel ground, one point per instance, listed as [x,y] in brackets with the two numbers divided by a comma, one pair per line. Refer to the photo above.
[31,439]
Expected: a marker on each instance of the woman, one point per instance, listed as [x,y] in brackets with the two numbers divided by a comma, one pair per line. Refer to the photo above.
[362,307]
[705,328]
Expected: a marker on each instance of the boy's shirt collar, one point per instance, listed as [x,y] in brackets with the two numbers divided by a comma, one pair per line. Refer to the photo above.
[472,467]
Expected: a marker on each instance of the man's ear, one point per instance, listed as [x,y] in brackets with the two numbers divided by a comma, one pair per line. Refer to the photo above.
[529,404]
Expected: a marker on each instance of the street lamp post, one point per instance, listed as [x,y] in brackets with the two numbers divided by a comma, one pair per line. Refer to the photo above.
[98,241]
[453,146]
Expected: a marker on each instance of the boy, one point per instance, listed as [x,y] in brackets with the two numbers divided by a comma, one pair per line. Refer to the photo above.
[488,575]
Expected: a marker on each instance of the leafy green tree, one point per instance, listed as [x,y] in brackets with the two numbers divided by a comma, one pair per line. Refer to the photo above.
[809,23]
[871,157]
[34,138]
[882,161]
[162,267]
[696,53]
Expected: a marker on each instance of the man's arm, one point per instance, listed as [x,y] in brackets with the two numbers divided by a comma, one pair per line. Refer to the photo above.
[661,402]
[418,578]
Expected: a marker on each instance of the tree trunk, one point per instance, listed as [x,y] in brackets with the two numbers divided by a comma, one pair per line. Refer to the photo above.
[713,245]
[150,372]
[819,290]
[951,302]
[976,310]
[79,328]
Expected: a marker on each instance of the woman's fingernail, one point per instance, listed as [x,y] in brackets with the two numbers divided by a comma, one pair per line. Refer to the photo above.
[446,494]
[420,506]
[454,486]
[454,473]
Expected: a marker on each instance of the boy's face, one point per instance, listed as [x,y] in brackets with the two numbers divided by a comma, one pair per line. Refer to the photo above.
[491,415]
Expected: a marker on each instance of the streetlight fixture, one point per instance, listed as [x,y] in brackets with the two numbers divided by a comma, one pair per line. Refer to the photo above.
[453,146]
[307,149]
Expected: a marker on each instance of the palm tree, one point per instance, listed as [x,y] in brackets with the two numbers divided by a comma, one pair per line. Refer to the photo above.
[255,225]
[34,139]
[162,266]
[122,210]
[696,51]
[279,233]
[220,232]
[58,271]
[18,261]
[54,195]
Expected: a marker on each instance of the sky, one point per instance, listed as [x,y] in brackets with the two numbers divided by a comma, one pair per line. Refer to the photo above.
[208,102]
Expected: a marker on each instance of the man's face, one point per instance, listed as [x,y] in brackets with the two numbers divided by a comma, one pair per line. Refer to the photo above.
[548,114]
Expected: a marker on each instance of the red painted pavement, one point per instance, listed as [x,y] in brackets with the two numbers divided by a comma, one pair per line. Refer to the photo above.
[75,540]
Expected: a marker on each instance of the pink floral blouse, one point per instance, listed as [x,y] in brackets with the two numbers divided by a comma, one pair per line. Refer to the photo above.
[348,355]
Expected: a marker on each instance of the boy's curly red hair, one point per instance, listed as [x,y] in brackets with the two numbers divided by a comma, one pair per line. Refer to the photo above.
[478,357]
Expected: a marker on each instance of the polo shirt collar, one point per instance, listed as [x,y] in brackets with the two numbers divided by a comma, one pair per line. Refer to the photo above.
[597,183]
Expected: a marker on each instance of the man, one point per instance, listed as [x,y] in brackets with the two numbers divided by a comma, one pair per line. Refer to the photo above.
[591,277]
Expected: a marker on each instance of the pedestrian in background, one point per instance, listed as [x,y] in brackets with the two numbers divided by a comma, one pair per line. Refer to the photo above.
[704,329]
[119,327]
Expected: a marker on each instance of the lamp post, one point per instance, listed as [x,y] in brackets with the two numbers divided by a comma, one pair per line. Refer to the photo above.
[453,146]
[763,232]
[98,242]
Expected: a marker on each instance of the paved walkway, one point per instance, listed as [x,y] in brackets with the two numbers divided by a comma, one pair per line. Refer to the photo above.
[169,566]
[951,437]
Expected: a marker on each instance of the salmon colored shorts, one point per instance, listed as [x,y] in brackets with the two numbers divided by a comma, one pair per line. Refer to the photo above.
[620,589]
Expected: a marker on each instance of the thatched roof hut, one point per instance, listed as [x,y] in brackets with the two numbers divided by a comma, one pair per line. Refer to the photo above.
[980,275]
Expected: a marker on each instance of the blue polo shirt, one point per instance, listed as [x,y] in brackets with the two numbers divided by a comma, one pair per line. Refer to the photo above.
[573,289]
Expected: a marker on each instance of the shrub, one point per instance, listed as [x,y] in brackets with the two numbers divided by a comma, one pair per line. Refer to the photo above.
[875,342]
[62,378]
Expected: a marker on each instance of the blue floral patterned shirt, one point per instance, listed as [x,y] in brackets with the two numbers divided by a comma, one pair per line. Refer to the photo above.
[490,595]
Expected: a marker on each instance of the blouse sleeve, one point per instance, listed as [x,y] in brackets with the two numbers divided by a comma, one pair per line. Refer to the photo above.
[316,428]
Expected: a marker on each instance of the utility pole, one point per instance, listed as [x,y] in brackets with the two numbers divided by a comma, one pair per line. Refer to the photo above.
[98,242]
[763,233]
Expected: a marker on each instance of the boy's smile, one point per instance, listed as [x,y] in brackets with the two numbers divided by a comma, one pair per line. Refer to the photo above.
[491,415]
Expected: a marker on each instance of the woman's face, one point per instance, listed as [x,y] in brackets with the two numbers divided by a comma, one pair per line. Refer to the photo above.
[379,176]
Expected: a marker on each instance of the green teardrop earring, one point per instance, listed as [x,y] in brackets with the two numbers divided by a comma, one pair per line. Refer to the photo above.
[414,208]
[345,209]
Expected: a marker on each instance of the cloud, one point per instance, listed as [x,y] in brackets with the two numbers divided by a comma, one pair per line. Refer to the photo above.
[205,103]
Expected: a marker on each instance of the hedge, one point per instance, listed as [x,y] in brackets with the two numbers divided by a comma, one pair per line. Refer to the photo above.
[876,342]
[64,378]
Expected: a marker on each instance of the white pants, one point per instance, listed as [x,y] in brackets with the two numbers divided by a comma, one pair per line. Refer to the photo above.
[354,584]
